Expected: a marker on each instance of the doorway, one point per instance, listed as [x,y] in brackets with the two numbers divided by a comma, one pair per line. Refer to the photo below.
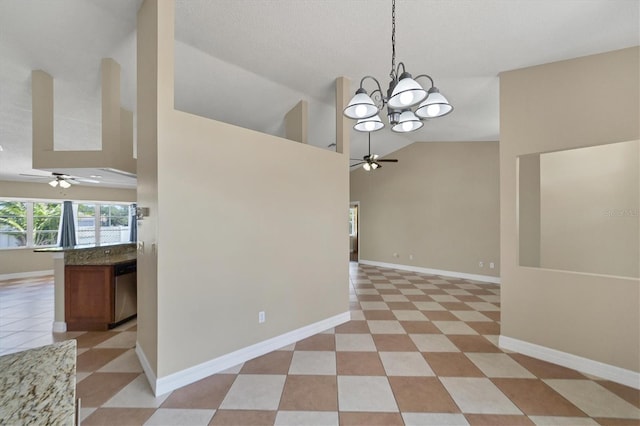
[354,240]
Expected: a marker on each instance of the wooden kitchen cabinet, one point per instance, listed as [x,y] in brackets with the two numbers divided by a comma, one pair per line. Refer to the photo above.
[89,297]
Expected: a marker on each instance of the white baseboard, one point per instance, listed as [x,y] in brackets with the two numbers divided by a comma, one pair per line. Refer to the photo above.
[190,375]
[59,327]
[146,367]
[463,275]
[585,365]
[31,274]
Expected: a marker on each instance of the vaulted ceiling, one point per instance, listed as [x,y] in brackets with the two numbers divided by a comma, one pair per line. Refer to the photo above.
[247,62]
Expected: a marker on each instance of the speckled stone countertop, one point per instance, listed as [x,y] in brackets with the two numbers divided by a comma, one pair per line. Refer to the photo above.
[101,255]
[103,246]
[105,260]
[38,386]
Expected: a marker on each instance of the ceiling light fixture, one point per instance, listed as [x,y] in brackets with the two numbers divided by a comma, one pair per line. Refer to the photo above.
[372,161]
[403,94]
[59,180]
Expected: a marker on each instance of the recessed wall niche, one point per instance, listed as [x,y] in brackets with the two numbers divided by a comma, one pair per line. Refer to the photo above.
[579,209]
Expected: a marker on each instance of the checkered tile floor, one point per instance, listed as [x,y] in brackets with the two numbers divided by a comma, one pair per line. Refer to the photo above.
[420,350]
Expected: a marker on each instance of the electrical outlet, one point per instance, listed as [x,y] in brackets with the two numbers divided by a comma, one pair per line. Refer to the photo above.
[481,264]
[396,255]
[410,257]
[261,317]
[492,265]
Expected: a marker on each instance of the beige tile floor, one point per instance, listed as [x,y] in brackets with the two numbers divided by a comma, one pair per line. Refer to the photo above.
[420,350]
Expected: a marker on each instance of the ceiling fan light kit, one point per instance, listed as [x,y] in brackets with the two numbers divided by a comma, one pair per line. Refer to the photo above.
[60,180]
[372,161]
[403,94]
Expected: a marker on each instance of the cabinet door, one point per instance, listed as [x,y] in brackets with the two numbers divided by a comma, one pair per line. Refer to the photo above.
[88,297]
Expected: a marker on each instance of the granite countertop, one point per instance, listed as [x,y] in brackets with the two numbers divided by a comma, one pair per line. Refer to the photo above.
[81,247]
[107,260]
[96,254]
[37,386]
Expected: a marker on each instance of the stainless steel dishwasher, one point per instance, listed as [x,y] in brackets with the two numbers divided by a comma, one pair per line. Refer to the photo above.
[126,292]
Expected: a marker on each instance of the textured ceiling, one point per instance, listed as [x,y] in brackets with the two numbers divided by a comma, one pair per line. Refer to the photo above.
[248,62]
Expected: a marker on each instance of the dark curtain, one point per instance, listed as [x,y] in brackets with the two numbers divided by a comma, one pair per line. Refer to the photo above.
[133,226]
[68,230]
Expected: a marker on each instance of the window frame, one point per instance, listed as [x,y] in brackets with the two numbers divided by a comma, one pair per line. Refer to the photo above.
[27,224]
[353,221]
[30,230]
[31,218]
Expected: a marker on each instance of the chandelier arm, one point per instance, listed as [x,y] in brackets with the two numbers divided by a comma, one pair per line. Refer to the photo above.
[397,71]
[372,78]
[427,76]
[379,100]
[383,101]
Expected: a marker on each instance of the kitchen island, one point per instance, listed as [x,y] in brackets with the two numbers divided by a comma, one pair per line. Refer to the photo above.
[95,286]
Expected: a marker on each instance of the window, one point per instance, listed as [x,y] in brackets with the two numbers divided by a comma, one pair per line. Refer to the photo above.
[86,230]
[37,223]
[114,223]
[46,222]
[13,224]
[353,221]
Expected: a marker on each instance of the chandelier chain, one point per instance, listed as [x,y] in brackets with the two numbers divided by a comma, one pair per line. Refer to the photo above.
[393,40]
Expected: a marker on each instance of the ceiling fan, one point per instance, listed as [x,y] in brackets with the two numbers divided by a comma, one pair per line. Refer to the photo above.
[61,179]
[372,161]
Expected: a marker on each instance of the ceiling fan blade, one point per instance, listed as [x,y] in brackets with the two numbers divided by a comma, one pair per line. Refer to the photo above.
[357,164]
[81,179]
[388,160]
[74,179]
[36,176]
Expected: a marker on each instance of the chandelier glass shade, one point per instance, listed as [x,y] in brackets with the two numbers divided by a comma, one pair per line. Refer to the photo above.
[370,124]
[436,105]
[403,94]
[361,106]
[407,122]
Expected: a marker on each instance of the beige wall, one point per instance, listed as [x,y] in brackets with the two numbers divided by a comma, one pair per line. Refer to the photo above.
[272,237]
[296,122]
[147,166]
[529,209]
[23,260]
[439,203]
[548,108]
[116,126]
[589,209]
[245,222]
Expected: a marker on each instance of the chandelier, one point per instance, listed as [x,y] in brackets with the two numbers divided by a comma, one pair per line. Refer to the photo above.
[403,95]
